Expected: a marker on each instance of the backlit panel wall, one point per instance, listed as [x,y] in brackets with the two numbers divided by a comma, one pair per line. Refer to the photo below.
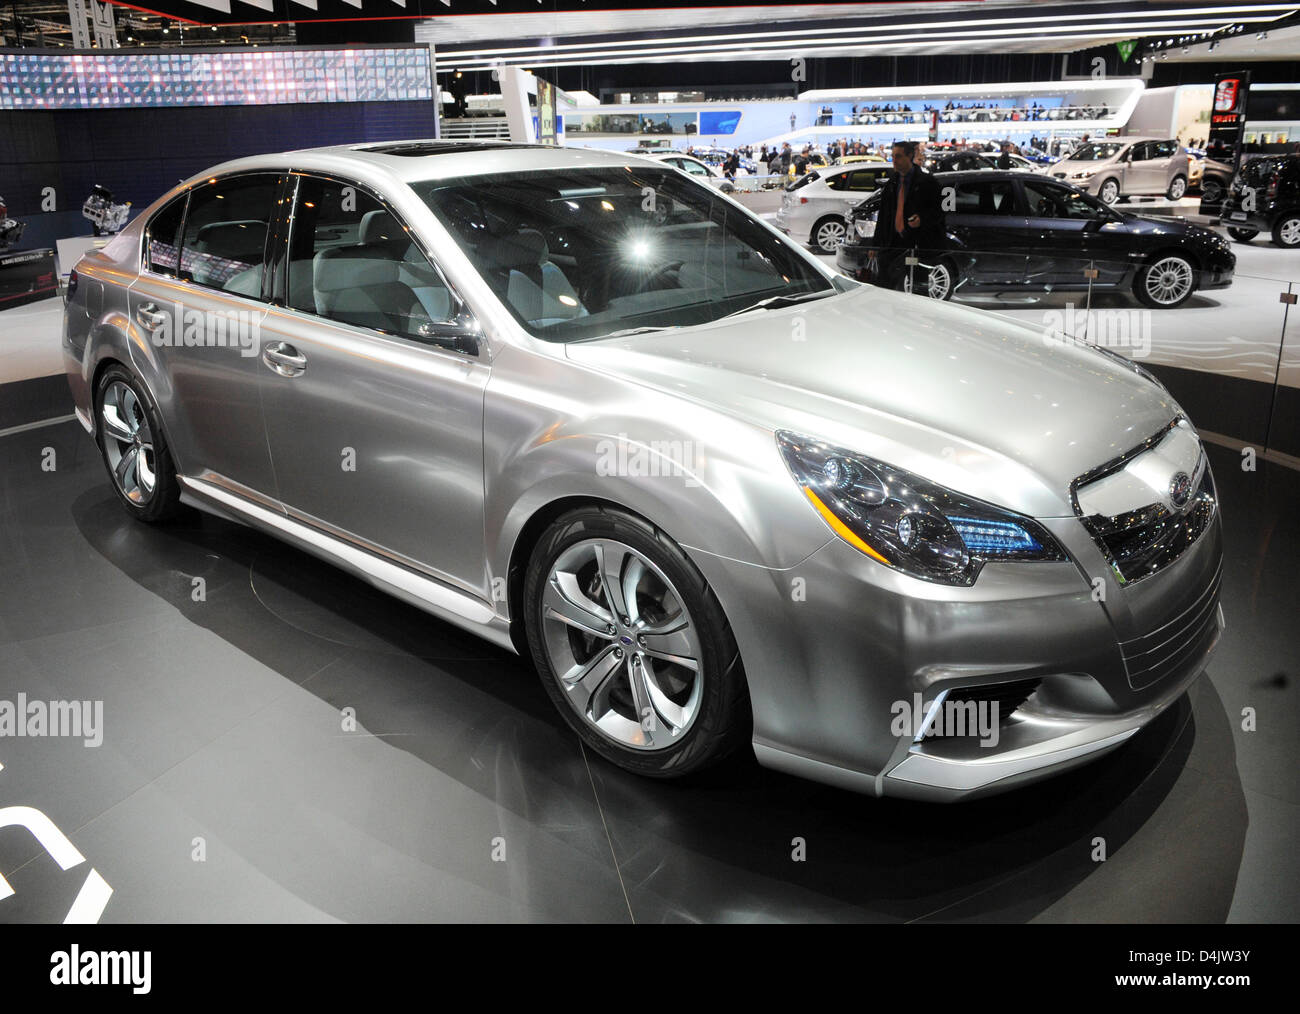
[117,80]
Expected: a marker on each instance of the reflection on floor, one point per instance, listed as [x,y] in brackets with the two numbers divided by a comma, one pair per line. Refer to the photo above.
[232,783]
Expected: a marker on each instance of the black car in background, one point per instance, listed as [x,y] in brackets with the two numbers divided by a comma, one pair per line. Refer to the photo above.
[1012,231]
[1274,181]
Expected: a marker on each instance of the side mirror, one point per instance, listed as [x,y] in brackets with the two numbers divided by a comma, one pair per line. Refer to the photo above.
[461,333]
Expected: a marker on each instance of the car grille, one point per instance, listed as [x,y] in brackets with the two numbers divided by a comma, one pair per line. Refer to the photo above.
[1170,647]
[1144,541]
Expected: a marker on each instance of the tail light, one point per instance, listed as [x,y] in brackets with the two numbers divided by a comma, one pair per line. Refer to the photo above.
[1271,193]
[72,284]
[803,200]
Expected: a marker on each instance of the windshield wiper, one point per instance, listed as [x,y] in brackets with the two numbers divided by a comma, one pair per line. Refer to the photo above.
[625,332]
[778,301]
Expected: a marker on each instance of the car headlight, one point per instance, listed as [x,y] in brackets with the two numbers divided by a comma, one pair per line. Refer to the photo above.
[907,522]
[1086,174]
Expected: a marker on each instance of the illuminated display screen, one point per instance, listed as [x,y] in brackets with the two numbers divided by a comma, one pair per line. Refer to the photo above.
[235,78]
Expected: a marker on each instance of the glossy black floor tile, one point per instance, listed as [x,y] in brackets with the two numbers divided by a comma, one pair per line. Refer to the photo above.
[283,742]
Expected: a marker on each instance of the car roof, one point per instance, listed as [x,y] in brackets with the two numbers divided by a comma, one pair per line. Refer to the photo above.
[411,161]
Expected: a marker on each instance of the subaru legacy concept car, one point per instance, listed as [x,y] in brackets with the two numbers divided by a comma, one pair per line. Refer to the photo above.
[720,495]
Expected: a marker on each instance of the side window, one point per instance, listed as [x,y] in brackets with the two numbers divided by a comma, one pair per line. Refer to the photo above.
[695,169]
[1164,149]
[864,179]
[840,181]
[352,261]
[162,241]
[1141,152]
[985,197]
[1047,201]
[225,233]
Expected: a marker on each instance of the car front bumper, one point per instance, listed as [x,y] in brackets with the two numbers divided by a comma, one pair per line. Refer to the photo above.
[839,648]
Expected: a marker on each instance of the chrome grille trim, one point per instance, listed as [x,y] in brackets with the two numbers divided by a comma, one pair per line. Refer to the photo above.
[1167,649]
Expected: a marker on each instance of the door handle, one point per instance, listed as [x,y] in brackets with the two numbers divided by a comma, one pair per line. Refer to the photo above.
[150,317]
[284,359]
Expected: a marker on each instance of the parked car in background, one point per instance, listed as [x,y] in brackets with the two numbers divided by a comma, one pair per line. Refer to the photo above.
[1216,179]
[1011,231]
[854,159]
[1265,197]
[813,206]
[1121,167]
[695,167]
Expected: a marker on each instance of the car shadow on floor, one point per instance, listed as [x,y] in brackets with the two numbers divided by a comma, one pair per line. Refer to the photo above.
[725,845]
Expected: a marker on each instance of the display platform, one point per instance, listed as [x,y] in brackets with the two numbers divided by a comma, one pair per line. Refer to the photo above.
[284,743]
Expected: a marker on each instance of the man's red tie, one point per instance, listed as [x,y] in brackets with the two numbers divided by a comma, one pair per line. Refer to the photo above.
[898,213]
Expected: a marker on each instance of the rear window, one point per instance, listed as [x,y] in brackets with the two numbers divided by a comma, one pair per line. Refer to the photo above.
[803,181]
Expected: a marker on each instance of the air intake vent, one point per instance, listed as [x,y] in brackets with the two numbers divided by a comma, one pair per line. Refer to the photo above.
[1008,696]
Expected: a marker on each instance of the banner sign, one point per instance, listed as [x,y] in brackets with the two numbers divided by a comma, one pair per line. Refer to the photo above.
[26,276]
[1227,125]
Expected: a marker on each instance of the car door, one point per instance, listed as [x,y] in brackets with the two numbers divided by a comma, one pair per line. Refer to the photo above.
[1068,234]
[375,430]
[199,305]
[1144,173]
[841,194]
[989,228]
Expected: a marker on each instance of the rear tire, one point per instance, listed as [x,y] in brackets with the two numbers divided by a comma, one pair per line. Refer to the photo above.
[828,233]
[1286,231]
[602,663]
[1177,188]
[1242,235]
[131,442]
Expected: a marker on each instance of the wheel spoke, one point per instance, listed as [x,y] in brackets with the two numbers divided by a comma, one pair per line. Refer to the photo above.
[144,469]
[114,424]
[669,716]
[131,409]
[125,470]
[670,644]
[565,601]
[588,683]
[612,559]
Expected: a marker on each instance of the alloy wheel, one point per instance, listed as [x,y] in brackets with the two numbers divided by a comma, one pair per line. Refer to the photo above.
[1110,192]
[829,235]
[1288,233]
[622,644]
[1169,280]
[938,282]
[1177,188]
[128,443]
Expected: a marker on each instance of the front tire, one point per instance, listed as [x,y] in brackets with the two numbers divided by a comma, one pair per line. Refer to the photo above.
[632,646]
[129,432]
[1168,281]
[1286,231]
[1109,192]
[1242,235]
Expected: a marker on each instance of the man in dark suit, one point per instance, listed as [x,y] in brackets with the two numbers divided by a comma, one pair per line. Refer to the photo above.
[910,216]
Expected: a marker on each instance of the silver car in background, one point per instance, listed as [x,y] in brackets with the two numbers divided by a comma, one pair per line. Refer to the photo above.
[813,207]
[1119,167]
[719,495]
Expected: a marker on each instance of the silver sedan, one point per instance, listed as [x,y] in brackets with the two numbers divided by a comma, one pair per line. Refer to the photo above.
[722,497]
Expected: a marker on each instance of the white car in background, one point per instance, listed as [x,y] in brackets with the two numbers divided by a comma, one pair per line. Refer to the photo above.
[813,207]
[693,166]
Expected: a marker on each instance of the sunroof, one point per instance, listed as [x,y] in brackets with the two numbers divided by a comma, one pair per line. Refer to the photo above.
[417,149]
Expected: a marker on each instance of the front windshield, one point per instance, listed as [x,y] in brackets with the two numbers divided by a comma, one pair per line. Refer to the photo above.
[585,253]
[1096,152]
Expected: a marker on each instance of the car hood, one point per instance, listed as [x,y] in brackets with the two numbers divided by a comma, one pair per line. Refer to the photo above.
[1071,166]
[968,398]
